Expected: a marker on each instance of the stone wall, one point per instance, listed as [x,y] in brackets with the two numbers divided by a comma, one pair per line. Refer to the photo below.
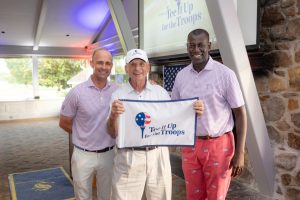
[279,91]
[278,86]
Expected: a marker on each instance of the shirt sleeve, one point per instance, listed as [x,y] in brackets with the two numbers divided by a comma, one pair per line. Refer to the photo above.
[69,106]
[234,94]
[175,91]
[165,94]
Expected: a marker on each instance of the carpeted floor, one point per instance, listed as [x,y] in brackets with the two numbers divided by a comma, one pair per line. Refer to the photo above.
[38,144]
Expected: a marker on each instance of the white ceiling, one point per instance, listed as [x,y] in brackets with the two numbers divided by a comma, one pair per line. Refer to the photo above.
[45,24]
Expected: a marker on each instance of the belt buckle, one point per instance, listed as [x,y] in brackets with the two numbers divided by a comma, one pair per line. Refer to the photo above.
[207,137]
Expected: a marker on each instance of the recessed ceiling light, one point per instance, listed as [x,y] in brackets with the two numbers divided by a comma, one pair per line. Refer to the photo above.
[67,35]
[2,32]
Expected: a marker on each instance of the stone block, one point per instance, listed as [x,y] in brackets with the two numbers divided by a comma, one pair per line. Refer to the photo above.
[294,77]
[280,73]
[286,179]
[293,104]
[264,98]
[290,12]
[279,32]
[277,85]
[261,83]
[296,119]
[278,59]
[293,28]
[274,135]
[286,161]
[287,3]
[294,141]
[283,125]
[289,95]
[283,45]
[264,34]
[274,109]
[293,193]
[272,16]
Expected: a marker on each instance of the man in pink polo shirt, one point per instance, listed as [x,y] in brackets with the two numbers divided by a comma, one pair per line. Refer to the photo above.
[84,114]
[209,166]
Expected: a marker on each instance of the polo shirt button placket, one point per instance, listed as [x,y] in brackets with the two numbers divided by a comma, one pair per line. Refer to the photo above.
[101,98]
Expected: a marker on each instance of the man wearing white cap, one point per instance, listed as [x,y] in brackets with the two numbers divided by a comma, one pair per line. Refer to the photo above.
[143,168]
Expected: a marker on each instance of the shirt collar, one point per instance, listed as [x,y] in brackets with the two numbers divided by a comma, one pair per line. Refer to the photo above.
[90,83]
[130,89]
[208,66]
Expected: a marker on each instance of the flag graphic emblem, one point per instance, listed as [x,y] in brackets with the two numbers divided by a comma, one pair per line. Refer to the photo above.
[142,119]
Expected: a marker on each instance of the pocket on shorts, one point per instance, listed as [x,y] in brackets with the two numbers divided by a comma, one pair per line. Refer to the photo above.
[123,161]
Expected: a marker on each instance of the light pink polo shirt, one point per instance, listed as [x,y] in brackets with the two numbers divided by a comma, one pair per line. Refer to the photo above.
[89,108]
[218,87]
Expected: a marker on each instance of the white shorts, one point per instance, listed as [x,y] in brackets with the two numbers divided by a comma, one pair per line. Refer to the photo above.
[87,164]
[135,171]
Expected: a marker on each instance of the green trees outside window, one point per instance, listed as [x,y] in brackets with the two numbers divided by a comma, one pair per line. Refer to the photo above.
[56,72]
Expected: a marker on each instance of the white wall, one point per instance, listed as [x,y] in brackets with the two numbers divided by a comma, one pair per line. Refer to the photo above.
[28,109]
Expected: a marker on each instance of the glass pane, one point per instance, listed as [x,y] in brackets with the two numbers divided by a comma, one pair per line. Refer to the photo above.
[56,74]
[15,79]
[119,75]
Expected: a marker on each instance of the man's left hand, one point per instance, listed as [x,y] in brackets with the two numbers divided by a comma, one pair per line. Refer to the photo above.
[237,164]
[199,107]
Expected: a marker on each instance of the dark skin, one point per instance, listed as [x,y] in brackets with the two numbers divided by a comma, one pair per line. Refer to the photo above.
[198,48]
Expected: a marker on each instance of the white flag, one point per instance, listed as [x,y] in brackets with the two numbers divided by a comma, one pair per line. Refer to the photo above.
[157,123]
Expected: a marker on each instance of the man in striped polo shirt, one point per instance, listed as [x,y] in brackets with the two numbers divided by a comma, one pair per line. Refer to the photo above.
[84,114]
[208,166]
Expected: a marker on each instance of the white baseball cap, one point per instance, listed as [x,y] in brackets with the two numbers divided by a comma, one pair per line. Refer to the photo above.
[136,53]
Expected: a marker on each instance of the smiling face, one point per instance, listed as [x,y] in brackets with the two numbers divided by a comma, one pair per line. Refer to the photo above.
[198,47]
[137,69]
[101,64]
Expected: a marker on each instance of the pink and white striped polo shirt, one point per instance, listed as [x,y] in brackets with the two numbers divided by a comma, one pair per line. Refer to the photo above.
[218,87]
[89,108]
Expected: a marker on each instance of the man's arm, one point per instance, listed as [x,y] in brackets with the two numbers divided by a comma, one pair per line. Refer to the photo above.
[117,108]
[237,162]
[66,123]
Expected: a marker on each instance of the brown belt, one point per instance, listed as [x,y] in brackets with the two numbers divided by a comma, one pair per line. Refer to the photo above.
[207,137]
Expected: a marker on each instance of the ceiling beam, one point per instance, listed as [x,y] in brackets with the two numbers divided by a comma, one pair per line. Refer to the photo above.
[40,25]
[101,28]
[20,51]
[122,26]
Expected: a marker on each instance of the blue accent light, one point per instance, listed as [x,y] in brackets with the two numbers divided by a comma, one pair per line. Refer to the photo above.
[92,13]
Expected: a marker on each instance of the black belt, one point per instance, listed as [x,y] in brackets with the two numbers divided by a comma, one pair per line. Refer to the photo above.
[96,151]
[140,148]
[207,137]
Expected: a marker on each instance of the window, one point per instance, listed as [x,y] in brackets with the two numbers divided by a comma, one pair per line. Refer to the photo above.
[15,79]
[54,75]
[118,73]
